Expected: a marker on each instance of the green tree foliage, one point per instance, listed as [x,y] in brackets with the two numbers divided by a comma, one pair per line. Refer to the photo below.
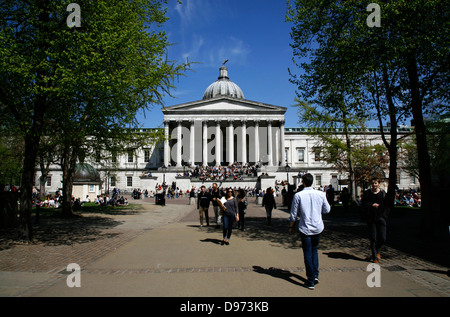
[72,82]
[399,69]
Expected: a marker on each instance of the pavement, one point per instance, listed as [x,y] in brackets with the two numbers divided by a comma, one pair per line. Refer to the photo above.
[161,251]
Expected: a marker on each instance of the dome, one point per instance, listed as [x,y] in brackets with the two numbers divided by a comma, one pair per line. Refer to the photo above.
[223,86]
[85,173]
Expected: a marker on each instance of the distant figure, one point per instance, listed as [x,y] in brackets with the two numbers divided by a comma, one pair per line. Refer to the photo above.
[269,203]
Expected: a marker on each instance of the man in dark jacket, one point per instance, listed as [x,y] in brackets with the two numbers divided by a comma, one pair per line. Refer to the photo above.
[203,200]
[374,211]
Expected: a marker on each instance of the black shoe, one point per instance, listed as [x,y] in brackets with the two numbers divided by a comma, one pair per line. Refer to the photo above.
[316,281]
[308,285]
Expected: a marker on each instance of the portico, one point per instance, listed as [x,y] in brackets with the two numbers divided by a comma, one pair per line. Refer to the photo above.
[223,130]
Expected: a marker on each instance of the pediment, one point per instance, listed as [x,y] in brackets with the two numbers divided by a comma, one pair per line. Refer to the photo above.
[223,105]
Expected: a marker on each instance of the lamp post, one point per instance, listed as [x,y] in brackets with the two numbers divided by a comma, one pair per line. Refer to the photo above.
[287,168]
[163,168]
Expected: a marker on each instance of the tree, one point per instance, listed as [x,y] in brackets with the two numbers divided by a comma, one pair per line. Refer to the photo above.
[87,80]
[402,65]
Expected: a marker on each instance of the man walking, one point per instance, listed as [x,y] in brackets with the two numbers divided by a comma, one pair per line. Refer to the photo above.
[309,205]
[215,195]
[203,200]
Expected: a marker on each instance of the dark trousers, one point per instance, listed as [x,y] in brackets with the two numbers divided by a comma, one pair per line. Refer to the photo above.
[241,219]
[310,246]
[377,235]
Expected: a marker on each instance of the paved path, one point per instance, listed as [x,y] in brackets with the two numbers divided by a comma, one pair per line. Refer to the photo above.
[161,251]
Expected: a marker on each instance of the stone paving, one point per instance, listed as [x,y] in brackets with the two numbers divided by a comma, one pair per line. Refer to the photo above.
[84,240]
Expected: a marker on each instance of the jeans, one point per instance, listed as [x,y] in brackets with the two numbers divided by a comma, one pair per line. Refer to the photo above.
[377,235]
[310,245]
[228,221]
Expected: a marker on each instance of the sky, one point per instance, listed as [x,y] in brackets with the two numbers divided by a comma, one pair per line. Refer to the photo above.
[251,34]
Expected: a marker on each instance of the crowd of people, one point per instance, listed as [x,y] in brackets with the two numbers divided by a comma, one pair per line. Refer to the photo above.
[409,198]
[236,171]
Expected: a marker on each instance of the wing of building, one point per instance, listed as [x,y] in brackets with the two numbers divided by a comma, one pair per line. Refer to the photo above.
[226,138]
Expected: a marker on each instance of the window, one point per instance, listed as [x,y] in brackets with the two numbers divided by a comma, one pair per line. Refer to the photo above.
[129,181]
[49,181]
[286,154]
[146,155]
[413,179]
[91,188]
[301,155]
[316,154]
[318,180]
[113,181]
[130,156]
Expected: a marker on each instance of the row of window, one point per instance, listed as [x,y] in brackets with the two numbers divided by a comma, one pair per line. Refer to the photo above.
[130,157]
[301,154]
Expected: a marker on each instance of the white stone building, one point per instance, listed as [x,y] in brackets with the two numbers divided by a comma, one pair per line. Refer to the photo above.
[221,129]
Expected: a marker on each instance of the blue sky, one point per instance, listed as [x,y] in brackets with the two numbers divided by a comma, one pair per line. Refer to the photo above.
[252,34]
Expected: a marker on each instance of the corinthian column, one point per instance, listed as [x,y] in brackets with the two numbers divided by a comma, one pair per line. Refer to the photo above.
[179,144]
[205,142]
[244,142]
[269,145]
[282,151]
[256,141]
[192,144]
[166,143]
[230,142]
[218,148]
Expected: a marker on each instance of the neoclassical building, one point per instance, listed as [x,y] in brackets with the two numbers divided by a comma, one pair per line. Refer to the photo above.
[221,129]
[224,128]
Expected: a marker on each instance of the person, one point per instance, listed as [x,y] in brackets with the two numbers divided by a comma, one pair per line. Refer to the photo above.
[230,214]
[374,210]
[215,195]
[309,205]
[242,205]
[203,200]
[330,195]
[269,203]
[345,198]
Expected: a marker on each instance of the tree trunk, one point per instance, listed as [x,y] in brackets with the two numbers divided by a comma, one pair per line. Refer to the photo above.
[25,230]
[392,147]
[424,162]
[70,156]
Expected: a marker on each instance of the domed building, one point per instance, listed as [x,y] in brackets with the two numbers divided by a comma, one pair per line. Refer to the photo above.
[223,87]
[87,183]
[222,128]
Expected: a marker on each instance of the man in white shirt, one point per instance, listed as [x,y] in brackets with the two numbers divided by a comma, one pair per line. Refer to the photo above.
[309,205]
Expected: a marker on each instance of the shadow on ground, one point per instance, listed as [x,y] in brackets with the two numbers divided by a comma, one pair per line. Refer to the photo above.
[87,225]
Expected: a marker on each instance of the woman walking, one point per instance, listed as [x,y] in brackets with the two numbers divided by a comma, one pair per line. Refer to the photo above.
[230,214]
[269,203]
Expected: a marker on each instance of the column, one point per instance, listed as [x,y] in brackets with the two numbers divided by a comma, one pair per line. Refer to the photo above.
[282,153]
[244,142]
[166,143]
[269,144]
[277,147]
[218,148]
[256,141]
[192,144]
[230,142]
[179,144]
[205,142]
